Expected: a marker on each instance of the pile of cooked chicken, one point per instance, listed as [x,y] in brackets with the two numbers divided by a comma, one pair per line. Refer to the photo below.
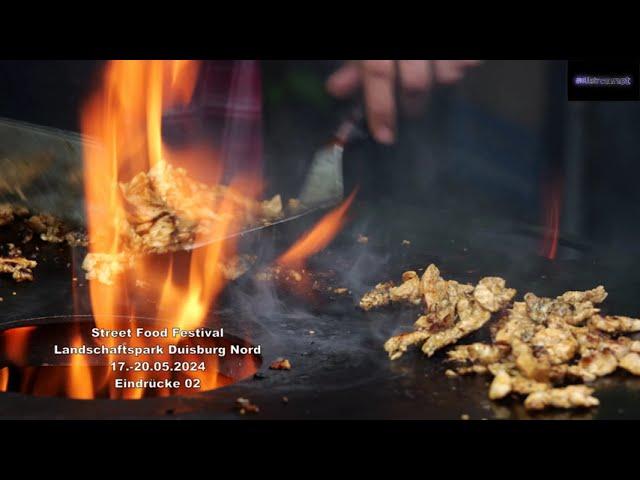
[167,210]
[545,349]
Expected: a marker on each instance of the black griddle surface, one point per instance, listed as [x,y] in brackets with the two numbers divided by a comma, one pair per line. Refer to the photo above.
[341,371]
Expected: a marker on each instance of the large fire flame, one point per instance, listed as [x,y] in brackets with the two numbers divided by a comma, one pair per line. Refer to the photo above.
[125,116]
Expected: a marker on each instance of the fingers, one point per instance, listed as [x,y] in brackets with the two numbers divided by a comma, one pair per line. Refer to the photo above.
[450,71]
[447,71]
[344,81]
[415,81]
[378,80]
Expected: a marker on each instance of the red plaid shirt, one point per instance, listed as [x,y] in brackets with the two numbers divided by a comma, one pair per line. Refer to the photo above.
[227,108]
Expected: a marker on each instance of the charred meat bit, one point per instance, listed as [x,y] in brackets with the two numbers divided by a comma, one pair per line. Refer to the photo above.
[244,405]
[362,239]
[280,364]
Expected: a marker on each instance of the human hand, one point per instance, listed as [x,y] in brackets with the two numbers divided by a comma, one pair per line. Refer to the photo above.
[379,79]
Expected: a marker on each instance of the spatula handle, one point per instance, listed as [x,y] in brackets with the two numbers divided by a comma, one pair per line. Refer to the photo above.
[352,128]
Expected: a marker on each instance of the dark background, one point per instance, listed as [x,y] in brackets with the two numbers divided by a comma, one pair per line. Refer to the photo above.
[487,147]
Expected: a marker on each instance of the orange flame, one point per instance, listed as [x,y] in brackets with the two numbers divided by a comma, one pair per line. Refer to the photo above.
[553,206]
[4,379]
[15,343]
[319,236]
[80,382]
[125,116]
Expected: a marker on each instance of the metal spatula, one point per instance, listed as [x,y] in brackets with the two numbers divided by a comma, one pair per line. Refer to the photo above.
[323,185]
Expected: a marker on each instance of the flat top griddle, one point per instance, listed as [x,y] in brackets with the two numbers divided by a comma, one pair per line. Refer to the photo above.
[341,371]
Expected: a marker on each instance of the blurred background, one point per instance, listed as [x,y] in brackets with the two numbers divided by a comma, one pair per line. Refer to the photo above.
[504,144]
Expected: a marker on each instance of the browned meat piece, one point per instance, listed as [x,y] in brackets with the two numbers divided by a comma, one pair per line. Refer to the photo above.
[378,297]
[568,397]
[547,310]
[399,344]
[280,364]
[50,228]
[8,213]
[441,296]
[472,317]
[492,294]
[408,291]
[272,209]
[594,365]
[615,324]
[631,363]
[508,380]
[518,326]
[19,268]
[244,405]
[500,386]
[237,266]
[76,239]
[558,345]
[596,295]
[478,353]
[104,267]
[530,366]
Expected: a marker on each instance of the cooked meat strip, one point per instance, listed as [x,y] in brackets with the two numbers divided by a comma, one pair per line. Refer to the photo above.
[378,297]
[631,363]
[408,291]
[492,294]
[558,344]
[615,324]
[545,310]
[399,344]
[595,295]
[481,353]
[472,317]
[567,397]
[511,381]
[594,365]
[20,268]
